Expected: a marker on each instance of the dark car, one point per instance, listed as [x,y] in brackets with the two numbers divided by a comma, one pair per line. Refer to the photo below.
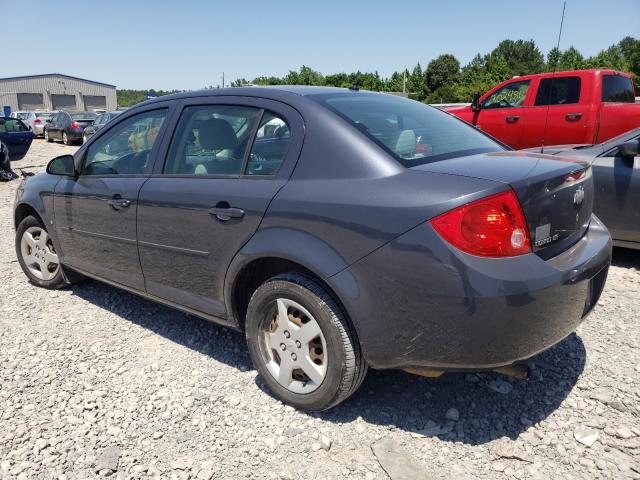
[68,127]
[17,137]
[616,175]
[339,230]
[99,122]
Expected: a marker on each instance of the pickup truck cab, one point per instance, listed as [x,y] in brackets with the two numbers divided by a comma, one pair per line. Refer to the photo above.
[581,106]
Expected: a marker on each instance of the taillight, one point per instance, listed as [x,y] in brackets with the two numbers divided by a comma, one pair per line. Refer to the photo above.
[493,226]
[74,125]
[37,121]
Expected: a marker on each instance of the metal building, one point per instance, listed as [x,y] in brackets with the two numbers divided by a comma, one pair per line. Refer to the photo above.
[54,91]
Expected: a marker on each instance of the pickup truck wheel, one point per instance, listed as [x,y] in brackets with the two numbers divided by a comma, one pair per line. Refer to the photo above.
[302,344]
[37,255]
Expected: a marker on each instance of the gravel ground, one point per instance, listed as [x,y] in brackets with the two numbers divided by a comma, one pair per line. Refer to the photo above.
[98,382]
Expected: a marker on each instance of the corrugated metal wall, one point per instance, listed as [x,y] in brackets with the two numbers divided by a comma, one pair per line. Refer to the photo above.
[56,85]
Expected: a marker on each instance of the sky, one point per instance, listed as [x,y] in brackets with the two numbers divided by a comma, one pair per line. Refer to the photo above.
[188,44]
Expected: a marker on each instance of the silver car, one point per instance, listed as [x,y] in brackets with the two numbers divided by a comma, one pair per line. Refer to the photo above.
[35,120]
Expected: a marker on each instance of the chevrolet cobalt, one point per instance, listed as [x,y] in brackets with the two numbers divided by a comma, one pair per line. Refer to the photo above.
[339,229]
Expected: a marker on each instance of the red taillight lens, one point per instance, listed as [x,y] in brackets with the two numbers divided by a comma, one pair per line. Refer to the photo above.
[490,227]
[74,125]
[37,121]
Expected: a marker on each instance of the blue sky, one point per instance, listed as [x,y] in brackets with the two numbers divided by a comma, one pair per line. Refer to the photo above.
[187,44]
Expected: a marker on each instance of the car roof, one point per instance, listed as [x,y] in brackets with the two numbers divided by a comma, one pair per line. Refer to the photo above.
[275,92]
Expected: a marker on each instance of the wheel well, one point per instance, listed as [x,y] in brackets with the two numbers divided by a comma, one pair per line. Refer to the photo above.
[22,212]
[256,273]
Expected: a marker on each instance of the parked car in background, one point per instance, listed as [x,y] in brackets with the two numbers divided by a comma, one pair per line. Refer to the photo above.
[34,120]
[337,229]
[616,175]
[17,137]
[68,127]
[582,106]
[99,122]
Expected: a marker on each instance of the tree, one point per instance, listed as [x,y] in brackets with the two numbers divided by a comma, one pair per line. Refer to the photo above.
[417,83]
[612,58]
[442,75]
[522,57]
[571,59]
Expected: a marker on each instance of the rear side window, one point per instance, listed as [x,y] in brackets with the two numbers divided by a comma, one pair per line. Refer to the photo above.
[12,125]
[617,88]
[211,140]
[270,146]
[412,132]
[558,91]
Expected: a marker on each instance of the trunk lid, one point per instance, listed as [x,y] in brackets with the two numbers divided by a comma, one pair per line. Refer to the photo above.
[556,193]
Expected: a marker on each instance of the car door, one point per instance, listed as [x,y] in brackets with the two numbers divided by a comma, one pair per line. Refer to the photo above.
[55,128]
[558,114]
[16,136]
[210,194]
[502,111]
[95,214]
[617,196]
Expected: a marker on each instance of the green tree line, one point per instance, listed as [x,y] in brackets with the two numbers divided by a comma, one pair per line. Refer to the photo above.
[444,79]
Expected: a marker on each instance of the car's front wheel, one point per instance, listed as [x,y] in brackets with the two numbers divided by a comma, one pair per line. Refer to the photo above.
[37,255]
[302,344]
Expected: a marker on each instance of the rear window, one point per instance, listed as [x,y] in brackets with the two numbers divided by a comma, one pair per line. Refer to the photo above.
[44,115]
[617,88]
[79,117]
[23,115]
[558,91]
[412,132]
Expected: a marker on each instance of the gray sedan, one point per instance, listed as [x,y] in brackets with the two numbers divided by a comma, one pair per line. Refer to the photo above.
[616,174]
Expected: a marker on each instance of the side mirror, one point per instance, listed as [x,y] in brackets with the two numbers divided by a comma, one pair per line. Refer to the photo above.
[629,149]
[475,102]
[62,165]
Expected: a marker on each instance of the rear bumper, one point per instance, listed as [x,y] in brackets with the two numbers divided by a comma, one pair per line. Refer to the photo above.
[417,302]
[38,130]
[75,134]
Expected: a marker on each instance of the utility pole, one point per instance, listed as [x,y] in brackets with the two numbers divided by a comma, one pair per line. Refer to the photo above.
[222,79]
[404,80]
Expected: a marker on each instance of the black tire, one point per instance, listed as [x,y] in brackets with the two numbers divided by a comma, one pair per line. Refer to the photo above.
[47,137]
[56,282]
[65,138]
[346,367]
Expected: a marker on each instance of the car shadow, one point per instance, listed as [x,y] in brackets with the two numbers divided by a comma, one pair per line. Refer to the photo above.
[625,257]
[389,398]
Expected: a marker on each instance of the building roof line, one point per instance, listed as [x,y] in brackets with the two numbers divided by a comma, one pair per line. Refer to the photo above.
[57,75]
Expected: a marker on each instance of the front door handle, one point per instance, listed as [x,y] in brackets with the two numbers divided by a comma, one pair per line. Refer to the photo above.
[118,203]
[573,116]
[512,118]
[224,213]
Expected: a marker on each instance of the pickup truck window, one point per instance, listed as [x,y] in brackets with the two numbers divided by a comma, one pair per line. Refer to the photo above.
[617,88]
[558,91]
[511,95]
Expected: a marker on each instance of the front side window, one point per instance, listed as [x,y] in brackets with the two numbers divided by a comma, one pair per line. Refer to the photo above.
[511,95]
[211,140]
[270,146]
[558,91]
[12,125]
[125,149]
[410,131]
[617,88]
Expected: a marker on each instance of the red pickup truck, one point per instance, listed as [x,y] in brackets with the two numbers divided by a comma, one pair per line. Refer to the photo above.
[583,106]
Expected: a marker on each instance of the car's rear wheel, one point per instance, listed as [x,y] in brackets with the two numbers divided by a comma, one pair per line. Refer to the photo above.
[65,139]
[302,344]
[47,137]
[37,255]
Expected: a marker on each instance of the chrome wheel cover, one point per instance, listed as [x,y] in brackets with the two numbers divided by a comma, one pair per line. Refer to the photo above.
[39,254]
[293,347]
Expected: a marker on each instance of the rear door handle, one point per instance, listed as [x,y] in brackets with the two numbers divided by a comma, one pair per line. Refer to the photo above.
[512,118]
[226,213]
[118,203]
[573,116]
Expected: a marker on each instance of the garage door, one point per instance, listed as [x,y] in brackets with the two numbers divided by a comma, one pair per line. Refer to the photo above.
[30,101]
[92,102]
[63,102]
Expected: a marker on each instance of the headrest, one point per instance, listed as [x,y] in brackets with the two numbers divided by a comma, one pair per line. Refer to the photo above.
[216,134]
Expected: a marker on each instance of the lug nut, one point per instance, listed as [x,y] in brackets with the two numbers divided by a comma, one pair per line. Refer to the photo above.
[283,347]
[298,344]
[287,334]
[294,357]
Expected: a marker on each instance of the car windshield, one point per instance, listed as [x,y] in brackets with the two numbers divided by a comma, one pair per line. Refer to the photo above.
[84,116]
[23,115]
[412,132]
